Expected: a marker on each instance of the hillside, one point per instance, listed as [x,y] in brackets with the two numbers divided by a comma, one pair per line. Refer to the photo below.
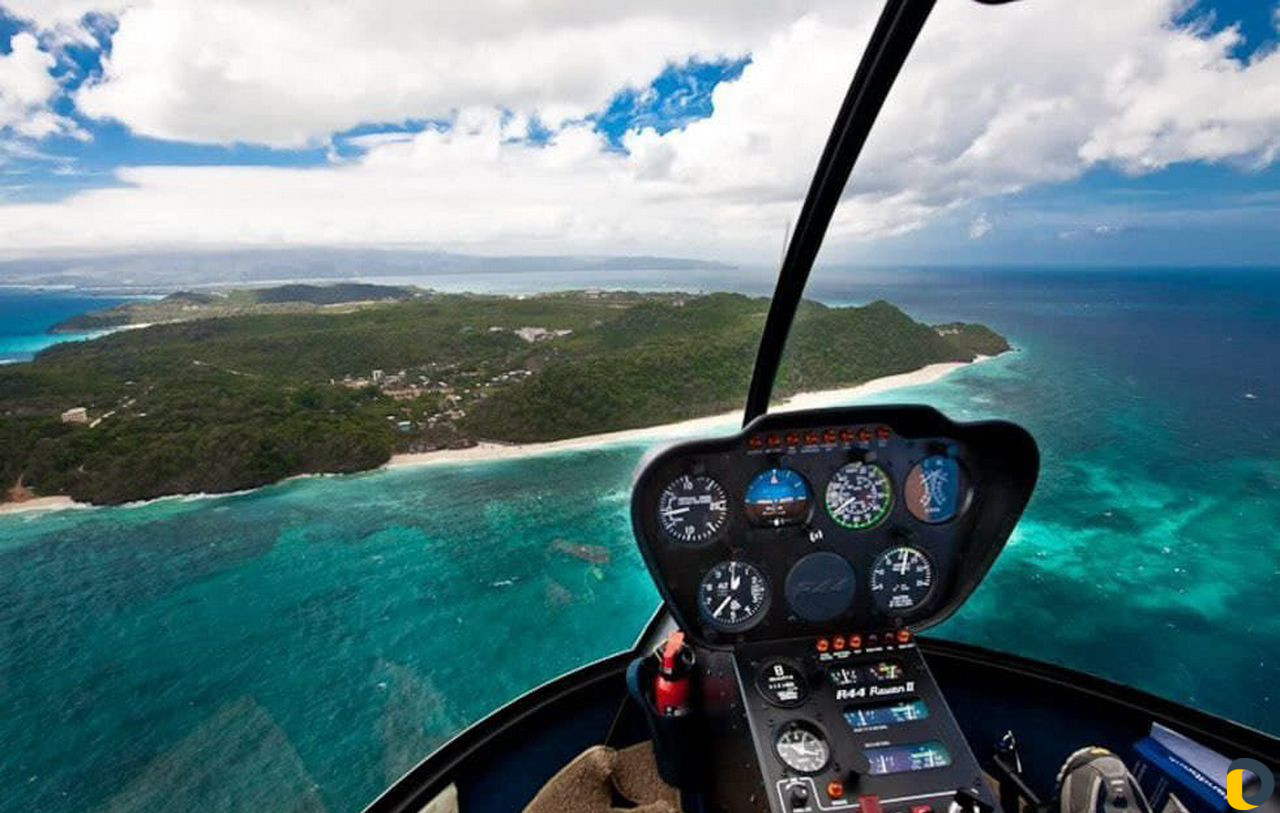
[245,399]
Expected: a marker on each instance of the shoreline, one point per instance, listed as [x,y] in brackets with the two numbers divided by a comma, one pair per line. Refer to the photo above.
[55,502]
[489,452]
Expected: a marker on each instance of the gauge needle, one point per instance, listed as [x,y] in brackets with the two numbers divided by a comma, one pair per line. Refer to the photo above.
[734,579]
[844,505]
[723,604]
[671,512]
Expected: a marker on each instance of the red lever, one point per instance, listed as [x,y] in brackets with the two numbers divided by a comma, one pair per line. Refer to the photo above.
[671,686]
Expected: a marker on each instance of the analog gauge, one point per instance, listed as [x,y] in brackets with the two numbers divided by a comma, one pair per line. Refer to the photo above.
[802,748]
[901,580]
[936,490]
[693,508]
[777,497]
[733,596]
[859,496]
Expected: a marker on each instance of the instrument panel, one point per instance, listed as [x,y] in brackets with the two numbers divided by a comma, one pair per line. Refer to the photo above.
[833,727]
[817,521]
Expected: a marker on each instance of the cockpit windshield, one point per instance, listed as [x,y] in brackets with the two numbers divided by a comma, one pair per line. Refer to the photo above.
[331,344]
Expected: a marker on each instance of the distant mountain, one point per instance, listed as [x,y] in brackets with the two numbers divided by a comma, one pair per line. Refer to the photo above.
[166,271]
[187,306]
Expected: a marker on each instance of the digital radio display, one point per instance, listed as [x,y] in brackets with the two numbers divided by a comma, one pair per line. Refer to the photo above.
[885,714]
[920,756]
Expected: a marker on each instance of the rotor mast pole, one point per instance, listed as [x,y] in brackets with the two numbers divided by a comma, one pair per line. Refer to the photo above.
[895,33]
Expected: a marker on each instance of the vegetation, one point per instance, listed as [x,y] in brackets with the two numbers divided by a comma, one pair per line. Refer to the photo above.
[185,306]
[252,387]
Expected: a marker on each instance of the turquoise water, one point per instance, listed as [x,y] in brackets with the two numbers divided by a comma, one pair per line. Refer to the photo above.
[27,315]
[301,646]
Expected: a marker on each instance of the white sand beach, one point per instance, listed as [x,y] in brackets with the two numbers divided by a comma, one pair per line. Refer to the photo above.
[38,504]
[725,423]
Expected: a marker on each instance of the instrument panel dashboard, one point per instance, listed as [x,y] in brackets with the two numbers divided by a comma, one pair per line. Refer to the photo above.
[808,522]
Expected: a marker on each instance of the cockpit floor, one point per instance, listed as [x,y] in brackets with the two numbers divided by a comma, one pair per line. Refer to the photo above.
[603,780]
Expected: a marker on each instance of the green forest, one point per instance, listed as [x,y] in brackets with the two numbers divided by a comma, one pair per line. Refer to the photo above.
[239,390]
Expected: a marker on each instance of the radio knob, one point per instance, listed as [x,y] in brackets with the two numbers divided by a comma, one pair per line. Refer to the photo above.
[859,767]
[799,797]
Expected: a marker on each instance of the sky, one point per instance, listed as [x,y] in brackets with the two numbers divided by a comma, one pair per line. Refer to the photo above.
[1087,132]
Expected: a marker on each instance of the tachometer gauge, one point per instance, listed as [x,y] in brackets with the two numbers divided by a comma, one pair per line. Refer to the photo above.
[901,580]
[802,748]
[859,496]
[693,508]
[777,497]
[733,596]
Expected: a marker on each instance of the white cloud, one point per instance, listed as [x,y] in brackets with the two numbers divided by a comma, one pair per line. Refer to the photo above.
[980,227]
[26,91]
[25,83]
[285,73]
[993,101]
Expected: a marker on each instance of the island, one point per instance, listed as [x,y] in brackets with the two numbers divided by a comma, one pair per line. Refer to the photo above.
[224,391]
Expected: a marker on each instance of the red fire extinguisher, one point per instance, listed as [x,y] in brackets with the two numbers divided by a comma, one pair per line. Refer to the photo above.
[671,685]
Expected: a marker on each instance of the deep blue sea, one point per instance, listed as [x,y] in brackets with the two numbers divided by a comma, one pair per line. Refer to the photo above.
[299,647]
[26,316]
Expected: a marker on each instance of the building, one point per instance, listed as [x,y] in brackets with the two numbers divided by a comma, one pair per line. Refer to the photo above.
[76,415]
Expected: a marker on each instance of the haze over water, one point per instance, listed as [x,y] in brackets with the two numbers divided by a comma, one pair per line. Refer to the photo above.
[301,646]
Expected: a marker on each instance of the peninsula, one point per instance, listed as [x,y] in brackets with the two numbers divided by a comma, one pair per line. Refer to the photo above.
[229,391]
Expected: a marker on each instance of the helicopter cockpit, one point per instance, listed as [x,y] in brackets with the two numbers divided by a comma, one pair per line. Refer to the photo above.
[809,549]
[798,561]
[799,557]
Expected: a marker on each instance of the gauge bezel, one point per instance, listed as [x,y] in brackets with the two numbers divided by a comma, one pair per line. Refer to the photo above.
[885,478]
[724,522]
[966,499]
[919,605]
[813,729]
[765,604]
[790,523]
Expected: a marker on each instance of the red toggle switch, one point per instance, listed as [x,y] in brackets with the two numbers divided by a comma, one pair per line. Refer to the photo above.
[869,804]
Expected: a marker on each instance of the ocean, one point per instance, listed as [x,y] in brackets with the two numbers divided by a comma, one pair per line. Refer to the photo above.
[301,646]
[27,314]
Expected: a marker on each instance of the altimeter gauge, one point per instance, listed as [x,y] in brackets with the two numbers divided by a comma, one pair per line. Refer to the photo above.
[693,508]
[859,496]
[733,596]
[902,579]
[802,748]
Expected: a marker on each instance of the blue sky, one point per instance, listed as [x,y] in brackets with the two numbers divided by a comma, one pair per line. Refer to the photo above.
[1187,210]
